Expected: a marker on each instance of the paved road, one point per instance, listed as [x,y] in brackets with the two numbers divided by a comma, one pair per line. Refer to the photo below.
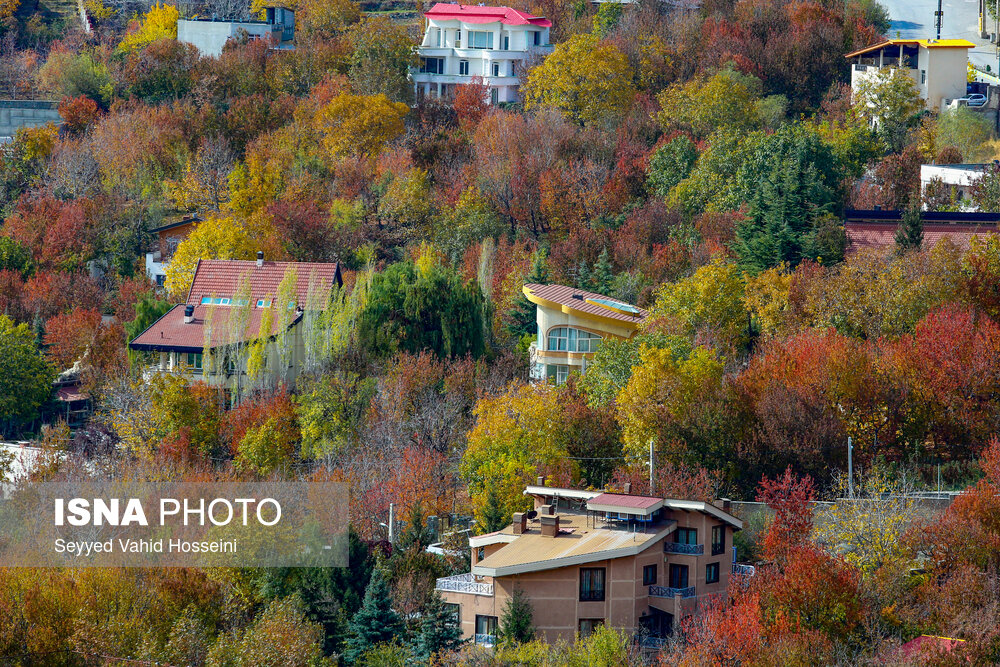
[914,19]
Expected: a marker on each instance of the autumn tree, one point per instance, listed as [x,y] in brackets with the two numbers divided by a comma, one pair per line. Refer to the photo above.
[69,336]
[790,497]
[381,54]
[471,101]
[160,22]
[589,81]
[359,124]
[910,232]
[986,190]
[703,105]
[889,99]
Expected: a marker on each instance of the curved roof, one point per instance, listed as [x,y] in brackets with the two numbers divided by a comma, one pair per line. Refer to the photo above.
[447,11]
[567,298]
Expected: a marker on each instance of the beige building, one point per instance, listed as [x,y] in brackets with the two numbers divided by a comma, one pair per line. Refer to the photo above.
[589,558]
[938,67]
[571,325]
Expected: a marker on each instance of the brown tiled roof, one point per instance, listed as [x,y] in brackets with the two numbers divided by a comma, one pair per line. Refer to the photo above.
[221,277]
[883,234]
[574,298]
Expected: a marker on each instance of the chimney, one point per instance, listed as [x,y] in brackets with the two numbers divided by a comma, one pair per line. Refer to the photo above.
[260,259]
[189,313]
[520,523]
[550,525]
[628,488]
[545,510]
[539,481]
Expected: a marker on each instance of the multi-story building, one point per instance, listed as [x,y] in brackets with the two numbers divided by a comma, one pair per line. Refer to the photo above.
[168,237]
[939,67]
[210,35]
[589,558]
[466,41]
[571,325]
[216,320]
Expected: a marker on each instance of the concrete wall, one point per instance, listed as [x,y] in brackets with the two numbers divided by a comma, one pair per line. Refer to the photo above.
[210,36]
[947,70]
[15,114]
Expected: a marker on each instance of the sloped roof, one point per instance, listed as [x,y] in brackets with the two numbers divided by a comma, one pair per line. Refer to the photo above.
[221,278]
[925,43]
[570,298]
[612,502]
[883,234]
[446,11]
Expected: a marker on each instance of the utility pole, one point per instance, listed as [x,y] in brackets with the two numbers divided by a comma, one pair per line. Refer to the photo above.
[392,523]
[651,480]
[938,15]
[850,468]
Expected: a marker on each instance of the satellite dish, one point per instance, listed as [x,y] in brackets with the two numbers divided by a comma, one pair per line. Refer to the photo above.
[531,515]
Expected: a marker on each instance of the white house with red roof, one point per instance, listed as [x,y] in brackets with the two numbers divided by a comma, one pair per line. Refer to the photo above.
[465,41]
[231,304]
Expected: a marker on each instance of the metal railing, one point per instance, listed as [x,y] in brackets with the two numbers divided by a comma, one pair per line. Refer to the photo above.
[667,592]
[744,570]
[464,583]
[486,640]
[679,548]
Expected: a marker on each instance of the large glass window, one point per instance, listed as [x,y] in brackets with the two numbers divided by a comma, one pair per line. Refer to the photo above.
[194,360]
[712,573]
[463,67]
[591,584]
[486,629]
[479,39]
[718,540]
[649,575]
[569,339]
[432,66]
[678,576]
[686,536]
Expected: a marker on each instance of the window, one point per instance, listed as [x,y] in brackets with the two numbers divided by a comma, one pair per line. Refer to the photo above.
[923,76]
[214,301]
[263,303]
[194,360]
[536,37]
[712,573]
[649,575]
[432,66]
[437,36]
[568,339]
[496,69]
[505,42]
[678,576]
[486,629]
[455,610]
[718,540]
[463,67]
[458,39]
[494,96]
[480,553]
[160,280]
[588,625]
[479,39]
[686,536]
[556,373]
[591,584]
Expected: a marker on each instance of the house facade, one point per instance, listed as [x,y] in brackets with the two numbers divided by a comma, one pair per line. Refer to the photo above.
[571,325]
[958,177]
[209,35]
[589,558]
[938,67]
[466,41]
[168,237]
[206,337]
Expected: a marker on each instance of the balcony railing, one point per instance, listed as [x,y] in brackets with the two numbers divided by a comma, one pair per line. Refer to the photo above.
[667,592]
[744,570]
[486,640]
[464,583]
[679,548]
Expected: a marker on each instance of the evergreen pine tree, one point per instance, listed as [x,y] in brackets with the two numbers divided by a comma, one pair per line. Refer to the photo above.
[521,318]
[494,517]
[583,277]
[439,630]
[603,278]
[515,622]
[376,622]
[910,232]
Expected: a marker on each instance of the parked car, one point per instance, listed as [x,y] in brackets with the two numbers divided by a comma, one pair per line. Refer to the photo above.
[974,100]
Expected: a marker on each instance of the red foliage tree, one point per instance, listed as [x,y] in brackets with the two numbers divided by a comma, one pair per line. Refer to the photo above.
[790,497]
[78,113]
[471,102]
[69,335]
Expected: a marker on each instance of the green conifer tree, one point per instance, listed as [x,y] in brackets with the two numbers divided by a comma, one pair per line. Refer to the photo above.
[603,278]
[910,232]
[376,622]
[494,517]
[521,318]
[515,622]
[439,630]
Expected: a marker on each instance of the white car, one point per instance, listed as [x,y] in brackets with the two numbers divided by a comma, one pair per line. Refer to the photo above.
[974,100]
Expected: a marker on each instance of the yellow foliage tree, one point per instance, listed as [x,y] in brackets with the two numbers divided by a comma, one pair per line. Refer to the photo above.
[589,81]
[160,22]
[516,435]
[221,237]
[359,124]
[8,7]
[767,299]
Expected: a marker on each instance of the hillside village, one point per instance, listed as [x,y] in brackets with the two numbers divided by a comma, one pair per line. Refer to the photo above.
[645,332]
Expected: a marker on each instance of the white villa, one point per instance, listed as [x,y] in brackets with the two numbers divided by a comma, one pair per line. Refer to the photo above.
[938,67]
[959,177]
[465,41]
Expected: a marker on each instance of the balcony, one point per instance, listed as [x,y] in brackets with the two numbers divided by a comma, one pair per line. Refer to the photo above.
[485,640]
[744,570]
[688,549]
[464,583]
[667,592]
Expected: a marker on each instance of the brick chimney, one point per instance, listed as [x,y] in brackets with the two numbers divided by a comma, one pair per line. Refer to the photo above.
[260,258]
[628,488]
[520,523]
[539,481]
[550,525]
[545,510]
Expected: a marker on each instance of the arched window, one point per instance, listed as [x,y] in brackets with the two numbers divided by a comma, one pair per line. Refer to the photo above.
[568,339]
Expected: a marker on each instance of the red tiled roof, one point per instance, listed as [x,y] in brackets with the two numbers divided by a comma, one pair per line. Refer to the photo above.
[943,644]
[577,300]
[221,278]
[445,11]
[621,500]
[883,234]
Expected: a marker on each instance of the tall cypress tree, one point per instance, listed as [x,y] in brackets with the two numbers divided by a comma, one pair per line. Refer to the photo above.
[521,318]
[910,232]
[439,630]
[376,622]
[603,277]
[494,517]
[515,623]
